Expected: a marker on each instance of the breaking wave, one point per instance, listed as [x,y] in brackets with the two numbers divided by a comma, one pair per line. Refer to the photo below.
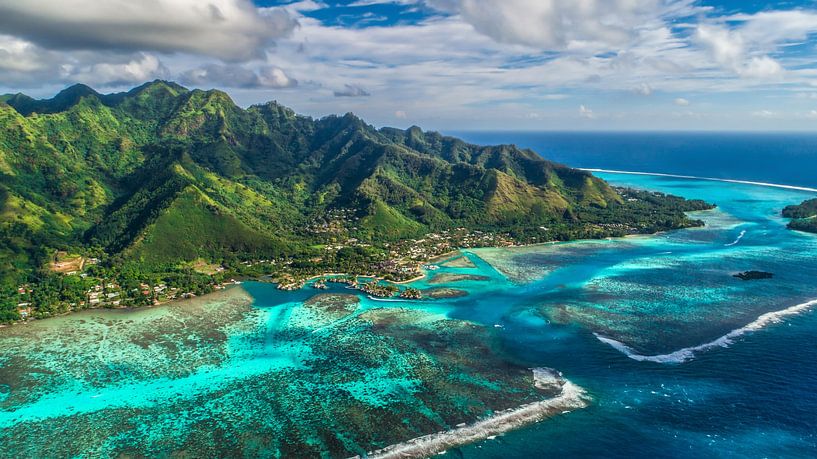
[712,179]
[388,300]
[740,236]
[688,353]
[571,397]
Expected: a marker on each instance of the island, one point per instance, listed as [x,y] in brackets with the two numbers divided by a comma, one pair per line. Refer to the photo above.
[160,193]
[804,216]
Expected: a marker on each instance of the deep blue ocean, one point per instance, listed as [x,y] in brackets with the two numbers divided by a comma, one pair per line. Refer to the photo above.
[764,157]
[755,398]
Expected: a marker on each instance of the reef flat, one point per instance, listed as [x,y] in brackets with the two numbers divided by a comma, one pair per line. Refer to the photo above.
[443,292]
[567,396]
[447,278]
[247,372]
[459,262]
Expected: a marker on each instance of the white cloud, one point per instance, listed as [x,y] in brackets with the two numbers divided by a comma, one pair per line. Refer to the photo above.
[235,76]
[586,25]
[518,57]
[725,46]
[764,114]
[745,43]
[766,30]
[141,68]
[644,89]
[231,30]
[762,67]
[24,64]
[21,56]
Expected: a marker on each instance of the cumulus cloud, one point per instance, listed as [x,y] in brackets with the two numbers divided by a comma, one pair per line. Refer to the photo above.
[592,25]
[516,56]
[24,64]
[762,67]
[745,48]
[142,67]
[235,76]
[232,30]
[644,89]
[351,90]
[20,56]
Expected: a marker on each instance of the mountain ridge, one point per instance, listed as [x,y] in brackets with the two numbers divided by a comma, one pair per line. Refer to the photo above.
[112,174]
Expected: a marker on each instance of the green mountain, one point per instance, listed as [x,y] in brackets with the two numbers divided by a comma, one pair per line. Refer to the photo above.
[162,175]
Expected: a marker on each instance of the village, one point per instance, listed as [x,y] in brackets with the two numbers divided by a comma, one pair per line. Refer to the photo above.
[378,274]
[404,262]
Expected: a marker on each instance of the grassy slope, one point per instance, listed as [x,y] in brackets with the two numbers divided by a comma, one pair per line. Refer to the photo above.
[162,173]
[194,227]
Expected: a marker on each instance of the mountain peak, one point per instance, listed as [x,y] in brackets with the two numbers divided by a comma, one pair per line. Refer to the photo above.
[158,87]
[76,90]
[64,100]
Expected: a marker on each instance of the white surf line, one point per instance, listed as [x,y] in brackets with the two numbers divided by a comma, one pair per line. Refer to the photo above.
[688,353]
[572,397]
[387,300]
[740,236]
[712,179]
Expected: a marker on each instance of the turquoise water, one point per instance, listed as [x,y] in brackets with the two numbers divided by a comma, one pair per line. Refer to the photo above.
[681,359]
[660,294]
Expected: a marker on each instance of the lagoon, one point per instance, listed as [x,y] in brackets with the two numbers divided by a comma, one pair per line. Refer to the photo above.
[673,354]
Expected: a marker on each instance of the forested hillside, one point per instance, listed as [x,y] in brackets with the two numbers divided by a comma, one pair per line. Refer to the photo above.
[150,181]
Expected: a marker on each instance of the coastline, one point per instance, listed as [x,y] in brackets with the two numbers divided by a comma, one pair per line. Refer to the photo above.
[424,274]
[230,289]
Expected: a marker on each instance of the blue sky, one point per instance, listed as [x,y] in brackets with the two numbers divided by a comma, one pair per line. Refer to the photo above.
[442,64]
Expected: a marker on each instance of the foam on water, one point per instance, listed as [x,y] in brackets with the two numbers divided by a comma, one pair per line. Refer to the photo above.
[688,353]
[712,179]
[389,300]
[570,398]
[740,236]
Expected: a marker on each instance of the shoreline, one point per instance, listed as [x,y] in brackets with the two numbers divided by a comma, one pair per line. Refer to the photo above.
[571,397]
[126,309]
[711,179]
[418,278]
[433,260]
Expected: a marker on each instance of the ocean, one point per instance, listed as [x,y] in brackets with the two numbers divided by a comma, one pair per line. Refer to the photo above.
[678,358]
[785,158]
[755,396]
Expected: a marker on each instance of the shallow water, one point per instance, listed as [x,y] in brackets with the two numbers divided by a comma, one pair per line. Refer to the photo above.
[749,396]
[264,373]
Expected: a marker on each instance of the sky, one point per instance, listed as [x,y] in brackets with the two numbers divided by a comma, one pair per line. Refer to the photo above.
[441,64]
